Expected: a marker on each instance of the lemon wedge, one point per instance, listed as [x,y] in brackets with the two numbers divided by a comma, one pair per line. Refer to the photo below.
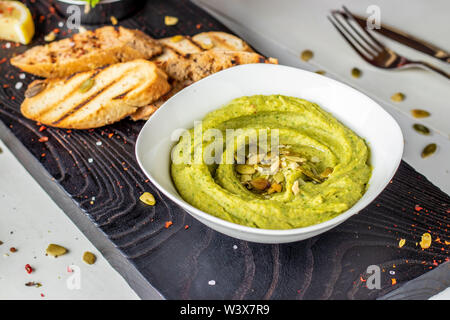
[16,23]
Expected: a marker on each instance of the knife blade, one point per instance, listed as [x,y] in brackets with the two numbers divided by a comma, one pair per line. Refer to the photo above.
[407,40]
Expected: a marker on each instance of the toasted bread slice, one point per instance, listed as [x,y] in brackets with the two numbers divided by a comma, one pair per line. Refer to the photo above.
[86,51]
[196,66]
[216,40]
[144,113]
[95,98]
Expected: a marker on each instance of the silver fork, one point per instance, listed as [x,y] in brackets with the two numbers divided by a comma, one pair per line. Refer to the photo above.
[370,49]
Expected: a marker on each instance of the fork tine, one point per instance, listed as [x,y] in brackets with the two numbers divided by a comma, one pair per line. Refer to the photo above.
[348,40]
[367,55]
[350,15]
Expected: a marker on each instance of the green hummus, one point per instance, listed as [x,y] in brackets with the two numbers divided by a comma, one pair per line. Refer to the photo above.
[321,168]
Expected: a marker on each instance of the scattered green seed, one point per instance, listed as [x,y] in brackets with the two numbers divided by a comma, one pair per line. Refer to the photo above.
[356,73]
[55,250]
[86,85]
[398,97]
[245,169]
[419,113]
[306,55]
[89,257]
[148,198]
[429,150]
[420,128]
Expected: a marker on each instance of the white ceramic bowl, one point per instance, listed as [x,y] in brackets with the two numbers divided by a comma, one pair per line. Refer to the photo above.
[352,108]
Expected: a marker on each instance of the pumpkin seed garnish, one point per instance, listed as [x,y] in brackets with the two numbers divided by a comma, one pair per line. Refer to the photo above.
[326,172]
[398,97]
[306,55]
[419,113]
[260,184]
[55,250]
[356,73]
[35,88]
[245,169]
[89,257]
[86,85]
[429,150]
[420,128]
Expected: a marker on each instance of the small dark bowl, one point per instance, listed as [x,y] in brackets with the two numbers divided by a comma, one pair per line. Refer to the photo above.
[102,12]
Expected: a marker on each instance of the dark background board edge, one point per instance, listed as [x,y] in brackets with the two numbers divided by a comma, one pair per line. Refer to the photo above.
[114,257]
[123,266]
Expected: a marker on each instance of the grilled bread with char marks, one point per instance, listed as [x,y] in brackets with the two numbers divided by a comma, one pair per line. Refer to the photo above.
[95,98]
[187,60]
[86,51]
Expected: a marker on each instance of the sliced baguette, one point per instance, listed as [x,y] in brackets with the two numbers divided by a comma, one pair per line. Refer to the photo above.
[117,91]
[144,113]
[86,51]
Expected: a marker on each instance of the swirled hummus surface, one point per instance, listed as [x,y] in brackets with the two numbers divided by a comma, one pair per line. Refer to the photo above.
[282,163]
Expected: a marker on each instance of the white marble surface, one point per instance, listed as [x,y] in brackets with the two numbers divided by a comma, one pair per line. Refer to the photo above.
[29,221]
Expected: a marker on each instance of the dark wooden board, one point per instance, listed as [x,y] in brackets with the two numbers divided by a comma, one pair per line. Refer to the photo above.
[180,262]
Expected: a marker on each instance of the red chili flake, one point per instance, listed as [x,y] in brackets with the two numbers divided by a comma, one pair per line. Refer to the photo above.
[6,86]
[28,268]
[42,295]
[69,270]
[56,30]
[43,155]
[198,25]
[12,249]
[43,139]
[52,10]
[168,224]
[41,19]
[3,60]
[110,135]
[418,208]
[42,128]
[394,281]
[13,98]
[186,227]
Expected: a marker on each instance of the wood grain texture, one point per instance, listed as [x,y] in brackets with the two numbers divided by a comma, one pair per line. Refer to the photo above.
[98,170]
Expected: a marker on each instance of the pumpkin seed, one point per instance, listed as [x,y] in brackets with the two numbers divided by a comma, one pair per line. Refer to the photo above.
[35,88]
[306,55]
[278,177]
[356,73]
[429,150]
[148,198]
[89,257]
[398,97]
[260,184]
[419,113]
[86,85]
[420,128]
[326,172]
[245,169]
[170,21]
[55,250]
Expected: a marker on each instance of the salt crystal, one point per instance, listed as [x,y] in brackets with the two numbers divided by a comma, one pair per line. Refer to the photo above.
[18,85]
[90,160]
[99,143]
[211,282]
[22,76]
[8,45]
